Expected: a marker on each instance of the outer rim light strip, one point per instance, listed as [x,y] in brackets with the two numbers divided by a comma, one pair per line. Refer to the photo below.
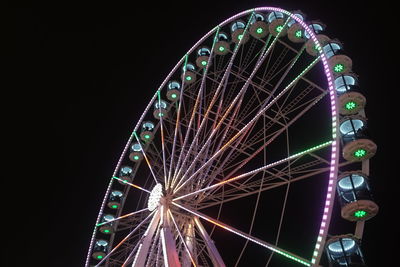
[257,241]
[333,105]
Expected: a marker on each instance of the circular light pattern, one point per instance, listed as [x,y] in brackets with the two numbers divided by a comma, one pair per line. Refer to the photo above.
[146,136]
[279,28]
[259,30]
[350,105]
[298,34]
[240,36]
[188,78]
[347,244]
[221,48]
[338,67]
[360,213]
[359,153]
[154,198]
[204,63]
[345,182]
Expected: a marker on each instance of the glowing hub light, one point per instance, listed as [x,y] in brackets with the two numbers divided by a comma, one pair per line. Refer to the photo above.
[204,63]
[240,36]
[298,34]
[99,257]
[221,48]
[154,198]
[279,28]
[259,30]
[136,157]
[114,206]
[350,105]
[146,136]
[106,231]
[360,214]
[160,114]
[188,78]
[338,68]
[359,153]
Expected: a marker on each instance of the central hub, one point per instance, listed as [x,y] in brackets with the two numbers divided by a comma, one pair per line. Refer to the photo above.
[155,197]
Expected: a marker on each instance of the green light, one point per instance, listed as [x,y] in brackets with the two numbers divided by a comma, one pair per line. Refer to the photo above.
[259,30]
[188,78]
[146,136]
[338,68]
[114,206]
[136,157]
[99,257]
[298,34]
[106,231]
[221,48]
[350,105]
[204,63]
[279,28]
[240,36]
[360,214]
[160,114]
[359,153]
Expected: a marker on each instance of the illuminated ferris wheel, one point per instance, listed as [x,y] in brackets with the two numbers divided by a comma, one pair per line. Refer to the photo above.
[262,121]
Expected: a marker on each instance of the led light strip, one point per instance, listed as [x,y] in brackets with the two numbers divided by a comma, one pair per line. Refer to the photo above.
[248,237]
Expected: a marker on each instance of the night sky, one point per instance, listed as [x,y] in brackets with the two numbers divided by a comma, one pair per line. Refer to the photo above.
[94,68]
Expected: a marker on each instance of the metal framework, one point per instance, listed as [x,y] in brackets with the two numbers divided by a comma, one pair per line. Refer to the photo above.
[259,120]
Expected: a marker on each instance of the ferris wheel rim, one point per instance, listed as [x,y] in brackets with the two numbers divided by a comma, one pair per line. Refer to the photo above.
[329,77]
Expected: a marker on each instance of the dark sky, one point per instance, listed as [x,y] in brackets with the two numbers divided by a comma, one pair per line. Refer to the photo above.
[95,67]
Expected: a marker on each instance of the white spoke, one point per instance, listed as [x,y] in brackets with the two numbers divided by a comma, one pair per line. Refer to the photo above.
[310,150]
[214,99]
[145,157]
[182,239]
[265,107]
[122,217]
[248,237]
[162,137]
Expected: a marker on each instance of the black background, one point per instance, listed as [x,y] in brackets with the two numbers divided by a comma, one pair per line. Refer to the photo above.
[86,70]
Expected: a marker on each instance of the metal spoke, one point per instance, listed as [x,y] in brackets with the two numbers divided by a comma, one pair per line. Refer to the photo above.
[122,217]
[263,168]
[133,185]
[267,245]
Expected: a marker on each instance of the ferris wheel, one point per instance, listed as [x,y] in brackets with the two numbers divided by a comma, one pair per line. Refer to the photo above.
[262,121]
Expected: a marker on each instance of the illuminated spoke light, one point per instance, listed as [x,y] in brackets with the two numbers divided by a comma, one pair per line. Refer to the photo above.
[298,34]
[248,237]
[133,185]
[155,197]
